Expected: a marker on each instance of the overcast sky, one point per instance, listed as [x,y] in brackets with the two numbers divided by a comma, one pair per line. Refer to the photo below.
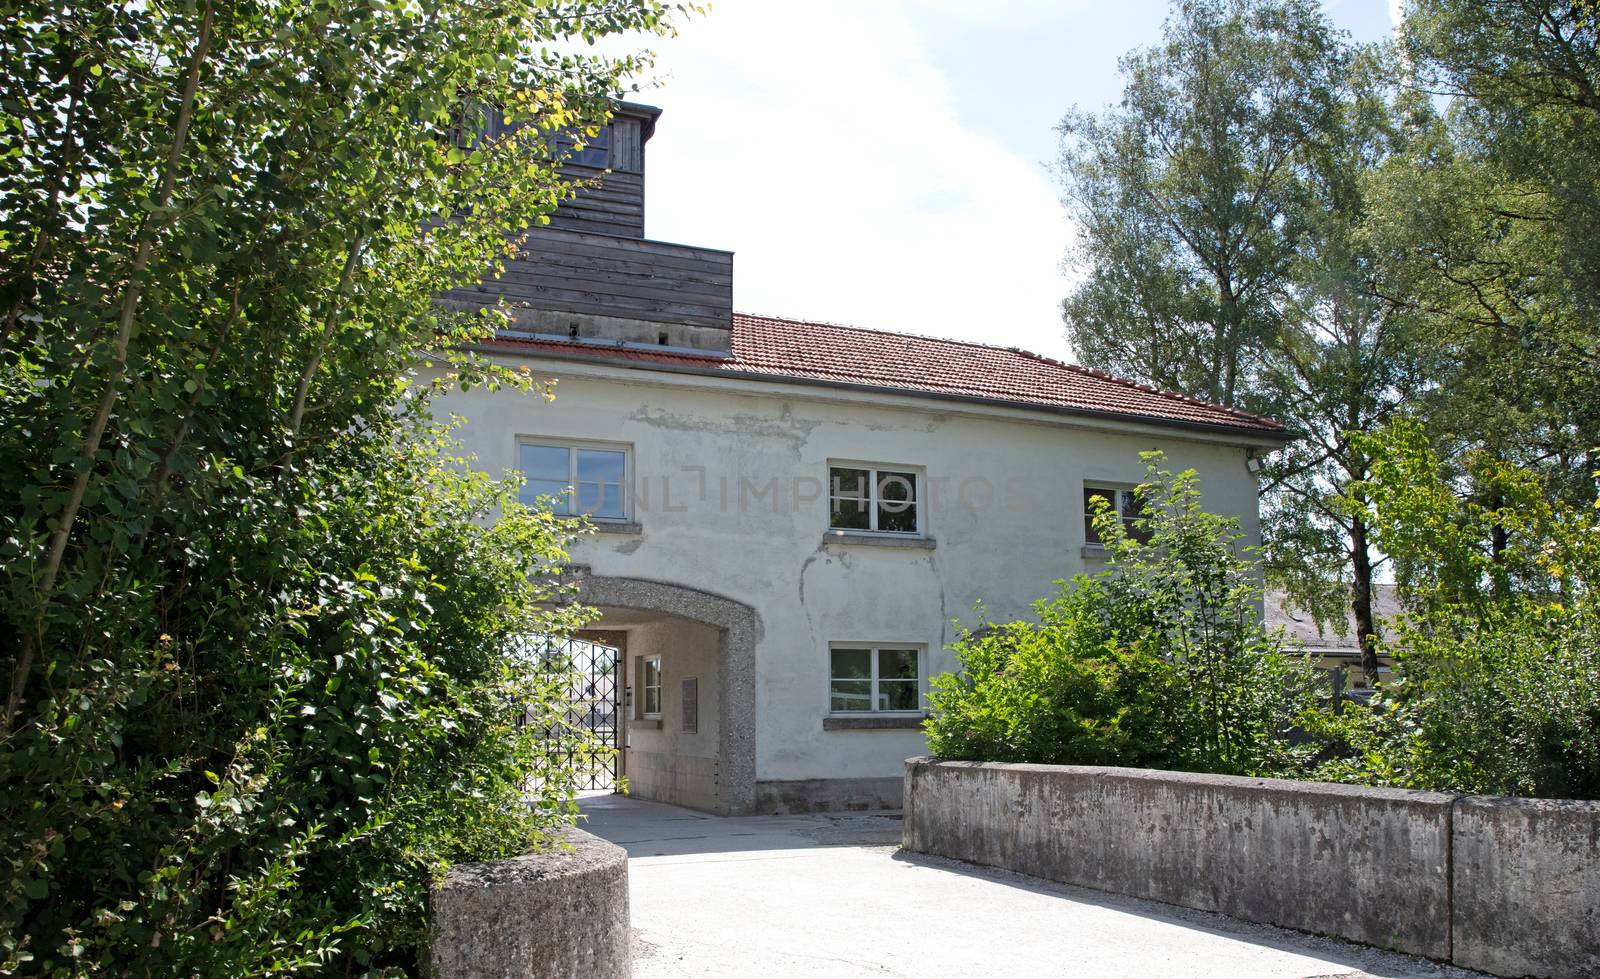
[883,163]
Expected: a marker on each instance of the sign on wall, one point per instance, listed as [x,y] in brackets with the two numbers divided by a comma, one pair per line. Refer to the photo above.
[691,705]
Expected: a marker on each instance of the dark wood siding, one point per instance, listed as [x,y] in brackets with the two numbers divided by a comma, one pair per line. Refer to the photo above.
[614,203]
[615,207]
[606,275]
[627,149]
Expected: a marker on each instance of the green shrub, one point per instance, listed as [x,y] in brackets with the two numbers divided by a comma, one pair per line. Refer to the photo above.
[1504,704]
[267,775]
[1497,660]
[1061,692]
[1160,661]
[254,619]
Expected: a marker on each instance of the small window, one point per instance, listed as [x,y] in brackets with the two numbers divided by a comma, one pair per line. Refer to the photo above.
[595,151]
[575,479]
[874,679]
[651,683]
[469,124]
[1127,505]
[880,501]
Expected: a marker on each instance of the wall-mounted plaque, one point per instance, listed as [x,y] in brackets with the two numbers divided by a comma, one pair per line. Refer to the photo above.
[691,705]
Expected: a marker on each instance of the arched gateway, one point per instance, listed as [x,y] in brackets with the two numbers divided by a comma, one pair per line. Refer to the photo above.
[683,650]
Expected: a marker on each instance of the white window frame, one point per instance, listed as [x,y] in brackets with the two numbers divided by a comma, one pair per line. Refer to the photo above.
[1115,489]
[573,446]
[921,650]
[645,687]
[918,492]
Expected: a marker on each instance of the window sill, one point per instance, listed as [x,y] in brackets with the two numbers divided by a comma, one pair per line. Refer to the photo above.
[1093,552]
[615,526]
[854,538]
[647,724]
[892,722]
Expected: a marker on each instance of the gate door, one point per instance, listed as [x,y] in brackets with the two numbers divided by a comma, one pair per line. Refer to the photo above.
[594,694]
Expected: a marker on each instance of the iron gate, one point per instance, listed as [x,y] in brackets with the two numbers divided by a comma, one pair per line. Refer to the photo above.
[588,739]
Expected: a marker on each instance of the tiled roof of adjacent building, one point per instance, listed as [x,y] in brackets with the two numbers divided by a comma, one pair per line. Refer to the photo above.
[798,350]
[1303,628]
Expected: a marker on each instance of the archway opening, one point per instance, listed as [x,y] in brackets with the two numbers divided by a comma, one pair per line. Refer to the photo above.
[687,708]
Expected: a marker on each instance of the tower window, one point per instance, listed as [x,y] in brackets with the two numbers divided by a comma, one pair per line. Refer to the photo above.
[595,152]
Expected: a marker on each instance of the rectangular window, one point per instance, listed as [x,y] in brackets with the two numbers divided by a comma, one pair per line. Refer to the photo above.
[874,679]
[652,686]
[1125,502]
[575,479]
[880,501]
[595,152]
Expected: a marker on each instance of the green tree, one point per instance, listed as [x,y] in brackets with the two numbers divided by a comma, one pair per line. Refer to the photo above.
[1498,654]
[1160,661]
[1344,360]
[1492,228]
[1473,257]
[1188,195]
[255,616]
[1222,214]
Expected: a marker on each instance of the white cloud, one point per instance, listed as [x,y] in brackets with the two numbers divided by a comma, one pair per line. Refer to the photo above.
[821,143]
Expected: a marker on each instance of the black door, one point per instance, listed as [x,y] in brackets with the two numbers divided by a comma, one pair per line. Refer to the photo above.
[590,743]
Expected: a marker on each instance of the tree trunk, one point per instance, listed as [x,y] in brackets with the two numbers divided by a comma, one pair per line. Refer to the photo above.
[303,389]
[1361,599]
[1228,341]
[1499,537]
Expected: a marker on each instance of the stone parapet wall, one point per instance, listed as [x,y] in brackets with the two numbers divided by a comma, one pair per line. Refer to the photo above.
[549,915]
[1526,894]
[1509,886]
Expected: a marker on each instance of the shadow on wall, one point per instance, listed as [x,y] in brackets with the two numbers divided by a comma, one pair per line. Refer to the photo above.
[651,829]
[1503,885]
[1344,959]
[908,894]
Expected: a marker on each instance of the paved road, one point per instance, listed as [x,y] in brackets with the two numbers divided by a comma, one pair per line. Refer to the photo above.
[830,896]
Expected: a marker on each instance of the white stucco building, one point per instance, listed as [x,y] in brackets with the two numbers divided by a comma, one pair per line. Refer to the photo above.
[792,515]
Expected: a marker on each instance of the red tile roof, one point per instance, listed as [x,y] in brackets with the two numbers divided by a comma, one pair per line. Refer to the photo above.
[797,350]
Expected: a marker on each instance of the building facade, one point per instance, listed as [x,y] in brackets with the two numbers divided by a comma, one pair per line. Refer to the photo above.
[791,518]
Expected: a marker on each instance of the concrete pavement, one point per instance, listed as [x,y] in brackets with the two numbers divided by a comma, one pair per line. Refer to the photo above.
[830,896]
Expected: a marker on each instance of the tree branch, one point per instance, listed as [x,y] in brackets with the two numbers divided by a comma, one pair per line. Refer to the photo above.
[126,317]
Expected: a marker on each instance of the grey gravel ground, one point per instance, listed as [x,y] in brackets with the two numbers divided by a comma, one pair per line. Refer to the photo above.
[831,896]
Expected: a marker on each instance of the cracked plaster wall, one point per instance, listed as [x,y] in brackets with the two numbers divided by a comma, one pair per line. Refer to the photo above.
[729,500]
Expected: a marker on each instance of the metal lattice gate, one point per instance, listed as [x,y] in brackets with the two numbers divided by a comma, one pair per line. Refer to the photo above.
[587,738]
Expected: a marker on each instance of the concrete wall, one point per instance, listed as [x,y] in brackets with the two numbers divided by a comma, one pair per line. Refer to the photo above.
[548,915]
[665,762]
[1527,886]
[1508,886]
[729,498]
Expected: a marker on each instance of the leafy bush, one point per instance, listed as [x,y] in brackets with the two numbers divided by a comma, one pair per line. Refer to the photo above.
[1497,678]
[1160,661]
[268,772]
[254,616]
[1061,692]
